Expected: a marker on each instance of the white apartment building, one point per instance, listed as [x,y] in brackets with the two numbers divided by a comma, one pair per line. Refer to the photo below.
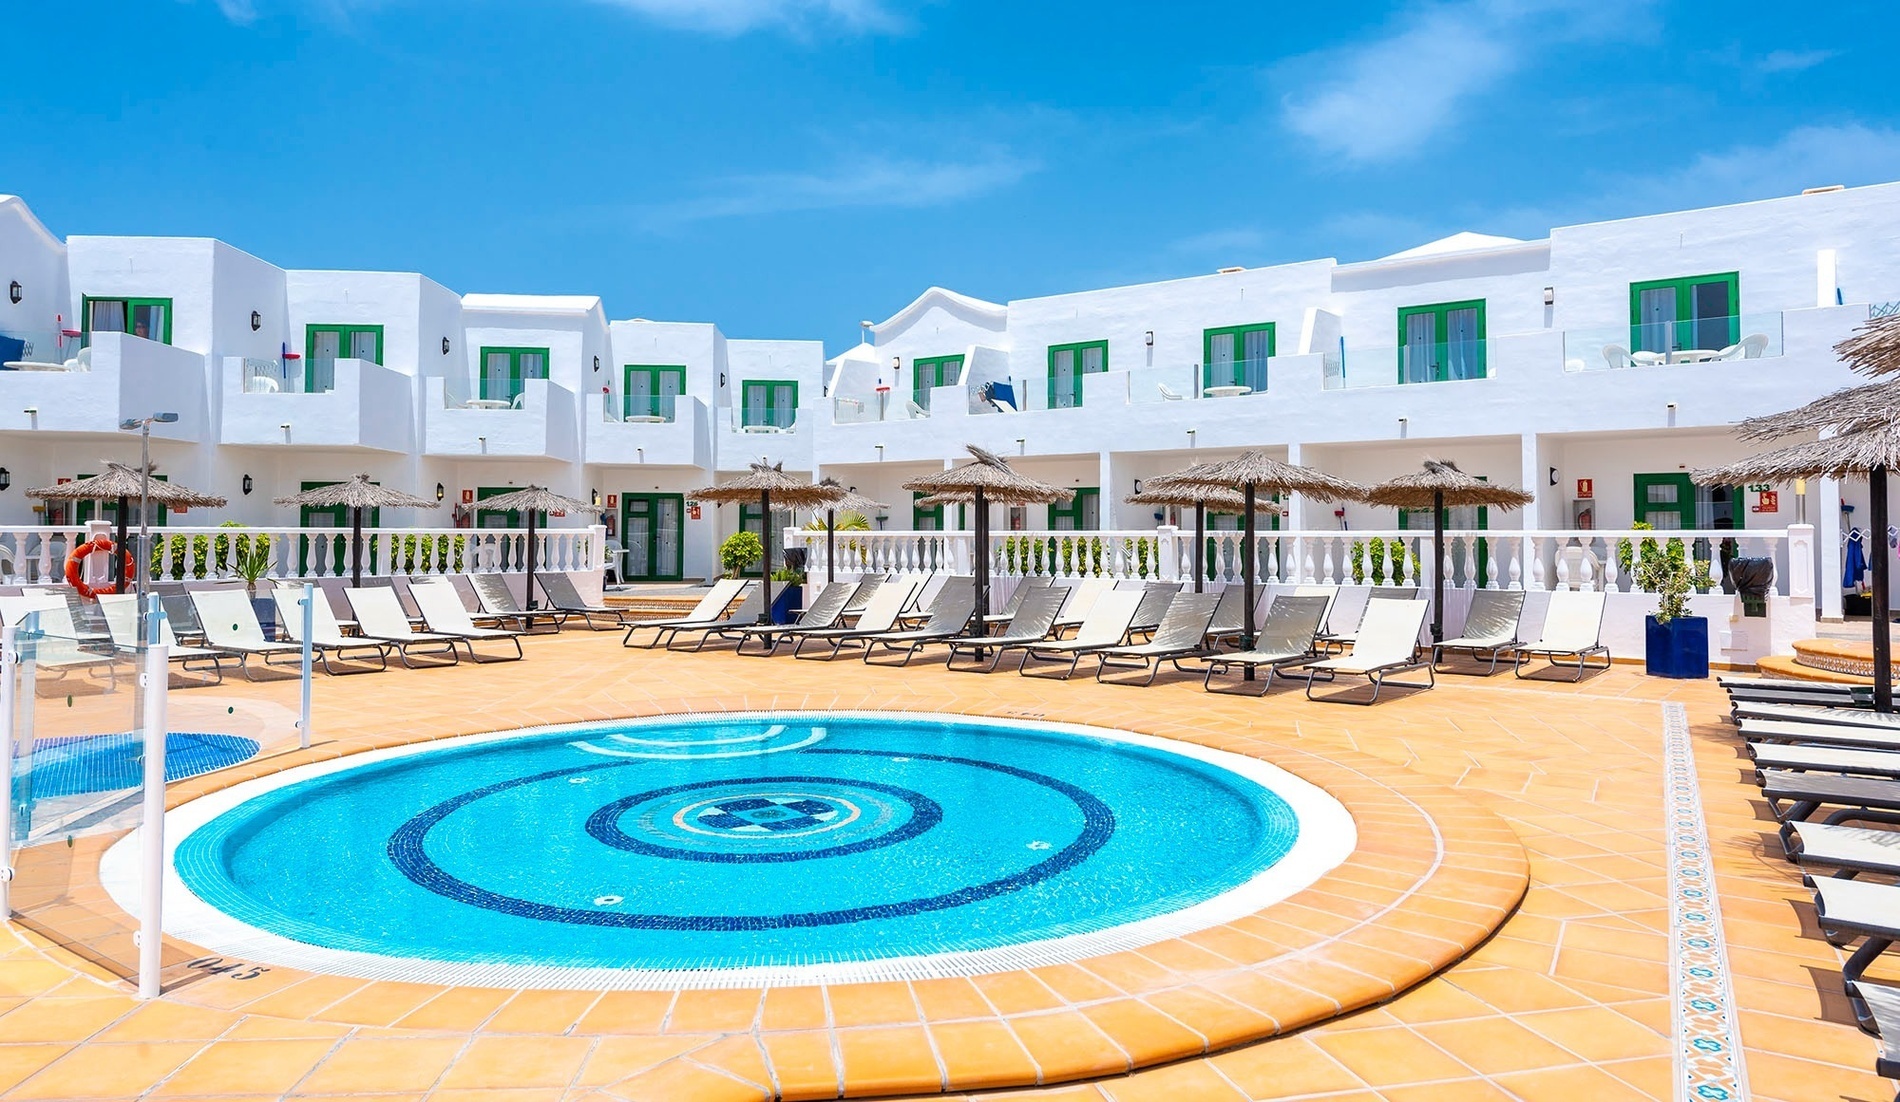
[1594,367]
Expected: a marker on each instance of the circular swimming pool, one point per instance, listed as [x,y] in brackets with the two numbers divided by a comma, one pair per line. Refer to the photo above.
[741,848]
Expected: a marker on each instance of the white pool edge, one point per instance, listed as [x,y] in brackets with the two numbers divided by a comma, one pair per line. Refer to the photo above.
[1327,835]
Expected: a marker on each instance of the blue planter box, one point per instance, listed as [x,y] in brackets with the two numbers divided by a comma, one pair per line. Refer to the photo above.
[1679,648]
[786,603]
[266,610]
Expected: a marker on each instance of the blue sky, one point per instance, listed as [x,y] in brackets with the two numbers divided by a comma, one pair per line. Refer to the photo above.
[787,167]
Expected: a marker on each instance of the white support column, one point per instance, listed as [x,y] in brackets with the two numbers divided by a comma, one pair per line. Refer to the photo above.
[1826,516]
[9,669]
[151,934]
[1293,564]
[1111,491]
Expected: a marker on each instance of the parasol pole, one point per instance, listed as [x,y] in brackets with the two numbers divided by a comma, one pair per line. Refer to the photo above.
[1883,628]
[118,549]
[980,534]
[765,565]
[530,593]
[356,547]
[1438,566]
[1246,574]
[831,544]
[1200,543]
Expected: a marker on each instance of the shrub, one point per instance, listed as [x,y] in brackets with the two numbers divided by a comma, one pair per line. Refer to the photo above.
[739,551]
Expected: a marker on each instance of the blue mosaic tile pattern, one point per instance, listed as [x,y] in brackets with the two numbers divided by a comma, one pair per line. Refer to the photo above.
[725,843]
[106,763]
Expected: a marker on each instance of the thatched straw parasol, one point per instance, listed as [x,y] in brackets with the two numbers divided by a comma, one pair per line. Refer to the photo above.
[122,483]
[356,495]
[1162,490]
[986,481]
[536,500]
[762,485]
[1870,451]
[1252,473]
[850,502]
[1849,409]
[1438,486]
[1874,347]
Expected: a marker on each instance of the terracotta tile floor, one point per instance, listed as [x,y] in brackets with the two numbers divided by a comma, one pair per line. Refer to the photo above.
[1569,998]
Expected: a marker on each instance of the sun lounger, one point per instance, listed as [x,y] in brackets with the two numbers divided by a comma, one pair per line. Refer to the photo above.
[924,597]
[52,652]
[1847,910]
[121,612]
[230,624]
[1340,640]
[878,617]
[867,586]
[180,613]
[1156,599]
[1105,626]
[443,613]
[1573,626]
[1825,759]
[1847,849]
[1033,622]
[379,617]
[1024,587]
[949,616]
[564,596]
[1821,734]
[1229,615]
[744,614]
[1490,629]
[57,619]
[1386,644]
[327,640]
[1793,797]
[1182,633]
[1817,715]
[1081,598]
[498,600]
[1883,1006]
[824,611]
[1286,639]
[710,609]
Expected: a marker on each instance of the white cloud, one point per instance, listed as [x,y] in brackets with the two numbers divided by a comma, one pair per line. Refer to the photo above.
[238,11]
[872,182]
[1809,156]
[1385,99]
[1234,239]
[1793,61]
[738,16]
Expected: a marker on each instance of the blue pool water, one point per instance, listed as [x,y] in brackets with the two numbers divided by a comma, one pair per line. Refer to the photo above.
[104,763]
[736,843]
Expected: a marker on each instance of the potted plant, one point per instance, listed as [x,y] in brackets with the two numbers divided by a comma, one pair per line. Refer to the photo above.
[249,558]
[790,596]
[1676,644]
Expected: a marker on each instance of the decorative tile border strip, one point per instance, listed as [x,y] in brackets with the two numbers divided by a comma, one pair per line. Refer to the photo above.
[1708,1056]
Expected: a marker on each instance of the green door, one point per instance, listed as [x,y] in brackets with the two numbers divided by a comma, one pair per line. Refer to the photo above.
[932,371]
[652,530]
[1067,364]
[652,391]
[749,522]
[1442,342]
[1236,356]
[1672,500]
[1083,514]
[324,345]
[1691,313]
[506,370]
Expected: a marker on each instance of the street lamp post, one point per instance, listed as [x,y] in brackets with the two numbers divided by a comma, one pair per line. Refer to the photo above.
[143,562]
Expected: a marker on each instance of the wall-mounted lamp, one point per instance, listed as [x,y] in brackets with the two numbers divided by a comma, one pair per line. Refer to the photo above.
[1404,424]
[441,491]
[1151,338]
[6,478]
[722,378]
[31,411]
[1553,476]
[284,425]
[1137,485]
[1022,446]
[248,485]
[596,498]
[445,346]
[880,452]
[257,321]
[15,292]
[596,363]
[1550,296]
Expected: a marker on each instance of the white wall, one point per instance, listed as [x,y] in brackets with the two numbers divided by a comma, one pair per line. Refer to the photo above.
[36,260]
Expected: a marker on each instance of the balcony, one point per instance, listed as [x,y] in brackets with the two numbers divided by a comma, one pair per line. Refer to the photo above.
[661,431]
[356,404]
[93,389]
[1730,339]
[771,436]
[538,424]
[1355,368]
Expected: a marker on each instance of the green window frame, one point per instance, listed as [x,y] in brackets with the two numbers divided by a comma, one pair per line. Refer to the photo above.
[768,402]
[320,376]
[1688,312]
[653,399]
[749,521]
[1065,386]
[511,518]
[932,371]
[1225,360]
[925,518]
[1450,344]
[1075,514]
[521,367]
[130,312]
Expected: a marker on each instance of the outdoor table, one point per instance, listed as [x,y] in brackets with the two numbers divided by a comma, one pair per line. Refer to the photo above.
[1226,391]
[486,403]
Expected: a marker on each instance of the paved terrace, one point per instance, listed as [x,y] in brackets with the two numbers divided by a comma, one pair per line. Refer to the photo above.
[1460,792]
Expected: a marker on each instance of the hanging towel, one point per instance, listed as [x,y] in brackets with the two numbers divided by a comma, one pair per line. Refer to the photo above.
[1856,561]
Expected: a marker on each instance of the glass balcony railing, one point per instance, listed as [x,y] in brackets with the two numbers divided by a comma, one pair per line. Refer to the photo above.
[1439,362]
[41,350]
[1234,378]
[754,419]
[1703,340]
[648,409]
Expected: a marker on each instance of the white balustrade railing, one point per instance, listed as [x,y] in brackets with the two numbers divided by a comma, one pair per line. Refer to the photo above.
[1501,559]
[38,553]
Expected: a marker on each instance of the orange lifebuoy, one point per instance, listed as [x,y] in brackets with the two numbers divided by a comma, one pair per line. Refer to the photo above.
[74,573]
